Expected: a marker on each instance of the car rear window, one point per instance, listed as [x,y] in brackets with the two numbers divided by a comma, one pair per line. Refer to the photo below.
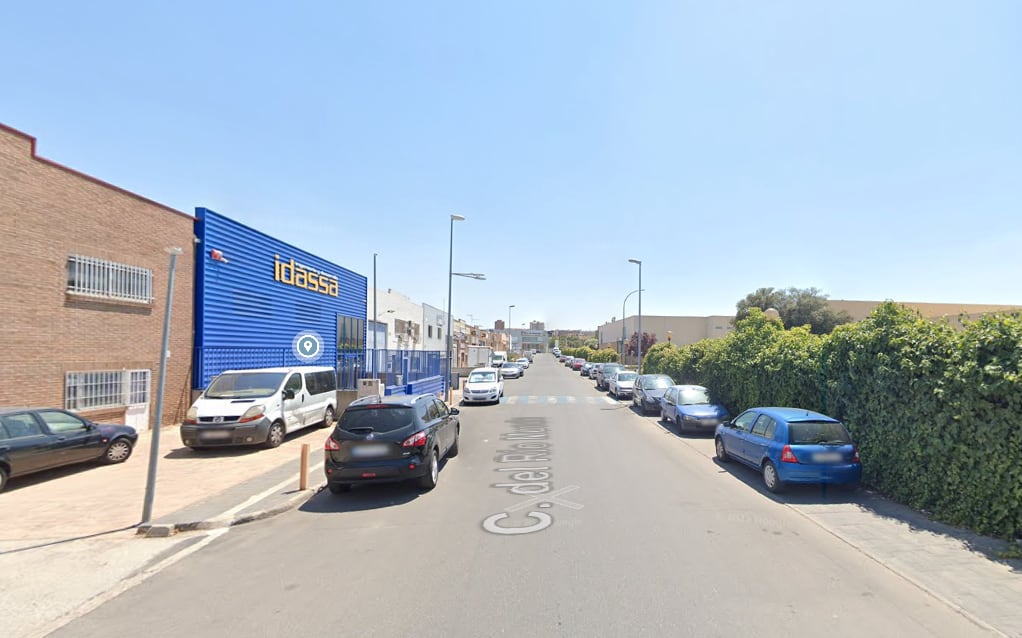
[818,433]
[626,376]
[377,419]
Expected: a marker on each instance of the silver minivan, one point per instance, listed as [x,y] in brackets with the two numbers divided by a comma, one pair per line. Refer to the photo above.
[261,406]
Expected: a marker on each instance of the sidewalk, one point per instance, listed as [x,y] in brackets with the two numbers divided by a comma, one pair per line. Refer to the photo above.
[194,489]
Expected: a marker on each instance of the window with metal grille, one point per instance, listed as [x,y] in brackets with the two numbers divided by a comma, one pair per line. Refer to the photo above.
[110,280]
[106,389]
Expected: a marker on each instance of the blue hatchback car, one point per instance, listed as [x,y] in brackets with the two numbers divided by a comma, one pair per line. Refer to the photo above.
[790,445]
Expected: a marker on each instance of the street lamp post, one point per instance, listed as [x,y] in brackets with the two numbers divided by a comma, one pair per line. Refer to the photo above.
[509,348]
[639,262]
[623,320]
[375,323]
[450,282]
[154,448]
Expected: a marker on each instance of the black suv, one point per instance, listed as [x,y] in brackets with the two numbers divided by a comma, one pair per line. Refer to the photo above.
[393,438]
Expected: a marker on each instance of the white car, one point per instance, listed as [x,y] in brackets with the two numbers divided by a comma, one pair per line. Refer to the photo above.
[524,362]
[511,370]
[484,385]
[622,384]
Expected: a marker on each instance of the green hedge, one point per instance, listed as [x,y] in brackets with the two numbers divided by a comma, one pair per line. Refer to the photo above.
[936,412]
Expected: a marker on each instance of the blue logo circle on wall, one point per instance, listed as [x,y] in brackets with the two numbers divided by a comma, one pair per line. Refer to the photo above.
[308,346]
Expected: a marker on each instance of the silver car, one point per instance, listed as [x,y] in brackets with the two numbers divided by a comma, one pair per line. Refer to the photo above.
[511,370]
[622,384]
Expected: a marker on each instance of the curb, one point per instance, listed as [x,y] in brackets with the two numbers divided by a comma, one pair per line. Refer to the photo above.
[163,530]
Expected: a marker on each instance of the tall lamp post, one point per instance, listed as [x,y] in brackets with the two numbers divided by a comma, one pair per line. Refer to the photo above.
[509,348]
[639,262]
[154,448]
[623,320]
[450,282]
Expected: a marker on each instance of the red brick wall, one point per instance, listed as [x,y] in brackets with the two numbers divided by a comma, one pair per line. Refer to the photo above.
[47,213]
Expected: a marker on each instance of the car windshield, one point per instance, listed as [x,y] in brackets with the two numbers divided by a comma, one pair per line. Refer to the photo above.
[482,377]
[818,433]
[693,396]
[626,376]
[244,385]
[377,418]
[656,383]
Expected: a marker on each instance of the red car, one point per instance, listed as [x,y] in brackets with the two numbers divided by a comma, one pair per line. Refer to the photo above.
[577,364]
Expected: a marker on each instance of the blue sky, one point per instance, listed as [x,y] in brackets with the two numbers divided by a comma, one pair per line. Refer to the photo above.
[872,149]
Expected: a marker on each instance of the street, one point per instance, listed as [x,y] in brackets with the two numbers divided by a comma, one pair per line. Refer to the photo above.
[566,513]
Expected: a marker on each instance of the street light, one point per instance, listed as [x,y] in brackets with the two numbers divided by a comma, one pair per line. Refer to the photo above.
[623,320]
[450,282]
[639,262]
[154,448]
[509,348]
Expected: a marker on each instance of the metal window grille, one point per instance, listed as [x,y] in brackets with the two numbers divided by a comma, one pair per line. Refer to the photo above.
[107,279]
[106,388]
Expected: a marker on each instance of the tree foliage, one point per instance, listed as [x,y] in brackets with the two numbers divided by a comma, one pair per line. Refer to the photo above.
[796,306]
[936,412]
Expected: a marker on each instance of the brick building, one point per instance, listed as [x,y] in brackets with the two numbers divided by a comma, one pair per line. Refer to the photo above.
[84,292]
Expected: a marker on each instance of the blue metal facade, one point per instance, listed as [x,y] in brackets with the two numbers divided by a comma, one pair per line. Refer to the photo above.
[254,295]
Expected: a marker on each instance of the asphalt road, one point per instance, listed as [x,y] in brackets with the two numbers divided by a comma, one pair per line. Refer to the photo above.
[566,513]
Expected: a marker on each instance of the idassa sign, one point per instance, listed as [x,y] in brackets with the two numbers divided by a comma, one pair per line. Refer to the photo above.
[294,274]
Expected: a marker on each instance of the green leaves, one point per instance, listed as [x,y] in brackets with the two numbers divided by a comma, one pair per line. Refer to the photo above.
[936,412]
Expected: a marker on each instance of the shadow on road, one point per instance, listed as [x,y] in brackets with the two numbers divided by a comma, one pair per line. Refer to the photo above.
[368,496]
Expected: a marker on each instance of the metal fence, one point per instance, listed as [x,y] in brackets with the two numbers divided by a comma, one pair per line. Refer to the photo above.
[392,367]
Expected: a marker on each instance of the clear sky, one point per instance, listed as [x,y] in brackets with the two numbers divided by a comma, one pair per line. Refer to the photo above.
[869,148]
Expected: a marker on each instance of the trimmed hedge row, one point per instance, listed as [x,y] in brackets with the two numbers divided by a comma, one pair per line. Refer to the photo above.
[936,412]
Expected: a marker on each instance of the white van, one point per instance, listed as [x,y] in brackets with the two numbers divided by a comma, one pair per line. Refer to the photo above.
[260,407]
[498,359]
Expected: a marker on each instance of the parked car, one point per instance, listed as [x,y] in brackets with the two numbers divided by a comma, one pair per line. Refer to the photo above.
[577,364]
[649,388]
[511,370]
[690,409]
[523,361]
[568,361]
[391,438]
[604,371]
[484,385]
[791,445]
[622,383]
[586,367]
[37,439]
[594,369]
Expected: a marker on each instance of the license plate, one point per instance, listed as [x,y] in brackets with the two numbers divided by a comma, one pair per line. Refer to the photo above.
[363,451]
[217,434]
[827,457]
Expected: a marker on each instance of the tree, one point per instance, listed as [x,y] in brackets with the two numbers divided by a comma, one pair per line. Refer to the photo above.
[631,348]
[797,307]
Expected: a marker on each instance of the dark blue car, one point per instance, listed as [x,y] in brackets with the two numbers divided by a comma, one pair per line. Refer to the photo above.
[690,408]
[791,445]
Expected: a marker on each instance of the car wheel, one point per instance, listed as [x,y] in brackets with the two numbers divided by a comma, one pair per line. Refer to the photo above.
[275,436]
[339,488]
[722,454]
[328,418]
[770,478]
[3,478]
[453,452]
[117,452]
[428,482]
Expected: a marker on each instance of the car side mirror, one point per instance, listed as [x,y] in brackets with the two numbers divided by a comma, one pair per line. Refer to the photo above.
[289,394]
[455,411]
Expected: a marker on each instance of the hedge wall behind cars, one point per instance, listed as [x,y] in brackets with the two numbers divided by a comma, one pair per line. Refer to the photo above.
[936,412]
